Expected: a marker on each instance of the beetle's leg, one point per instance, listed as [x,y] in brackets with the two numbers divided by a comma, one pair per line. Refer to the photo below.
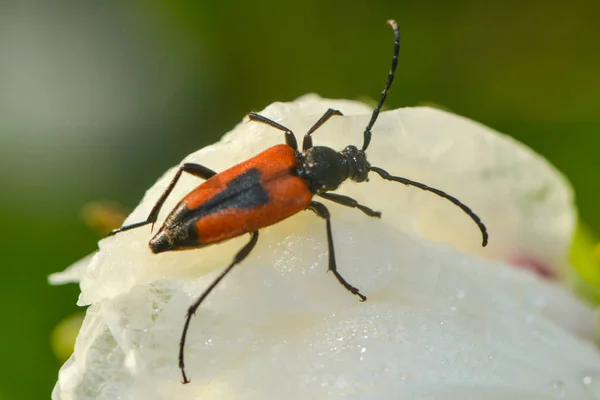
[350,202]
[290,139]
[239,257]
[195,169]
[323,212]
[307,142]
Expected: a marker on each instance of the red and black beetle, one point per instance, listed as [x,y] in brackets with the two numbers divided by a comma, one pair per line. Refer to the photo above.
[268,188]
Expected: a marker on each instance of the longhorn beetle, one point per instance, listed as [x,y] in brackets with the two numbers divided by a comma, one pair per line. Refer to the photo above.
[268,188]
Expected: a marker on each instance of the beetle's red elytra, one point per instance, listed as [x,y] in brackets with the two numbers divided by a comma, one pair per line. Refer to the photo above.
[254,194]
[268,188]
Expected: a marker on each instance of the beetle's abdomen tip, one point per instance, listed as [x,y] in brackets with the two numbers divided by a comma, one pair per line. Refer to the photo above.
[160,243]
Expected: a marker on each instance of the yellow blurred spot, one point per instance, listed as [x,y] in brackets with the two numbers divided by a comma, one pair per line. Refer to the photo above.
[583,275]
[596,252]
[103,216]
[64,335]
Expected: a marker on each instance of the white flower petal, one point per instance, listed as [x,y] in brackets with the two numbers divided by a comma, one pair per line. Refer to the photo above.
[444,319]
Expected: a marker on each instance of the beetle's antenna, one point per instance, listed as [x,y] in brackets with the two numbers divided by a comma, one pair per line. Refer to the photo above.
[388,84]
[385,175]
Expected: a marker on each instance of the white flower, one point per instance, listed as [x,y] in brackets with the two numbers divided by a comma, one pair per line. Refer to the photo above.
[445,318]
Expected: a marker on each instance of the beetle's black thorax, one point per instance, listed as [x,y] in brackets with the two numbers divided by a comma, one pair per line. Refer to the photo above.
[325,169]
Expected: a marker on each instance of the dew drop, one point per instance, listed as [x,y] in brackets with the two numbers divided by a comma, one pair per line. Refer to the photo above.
[362,351]
[268,283]
[591,384]
[558,387]
[536,301]
[529,318]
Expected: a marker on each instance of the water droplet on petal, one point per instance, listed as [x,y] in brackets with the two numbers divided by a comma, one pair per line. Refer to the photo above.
[558,387]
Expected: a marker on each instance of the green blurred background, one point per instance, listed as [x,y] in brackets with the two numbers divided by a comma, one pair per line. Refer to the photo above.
[99,98]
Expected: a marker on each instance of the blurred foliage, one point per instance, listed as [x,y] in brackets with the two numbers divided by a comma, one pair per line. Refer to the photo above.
[64,335]
[99,98]
[584,277]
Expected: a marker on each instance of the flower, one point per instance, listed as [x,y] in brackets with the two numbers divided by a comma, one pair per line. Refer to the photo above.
[445,318]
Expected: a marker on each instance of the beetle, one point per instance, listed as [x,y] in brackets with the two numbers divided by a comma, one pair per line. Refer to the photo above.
[268,188]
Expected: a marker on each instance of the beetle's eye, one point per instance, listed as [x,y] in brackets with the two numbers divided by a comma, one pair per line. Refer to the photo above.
[351,149]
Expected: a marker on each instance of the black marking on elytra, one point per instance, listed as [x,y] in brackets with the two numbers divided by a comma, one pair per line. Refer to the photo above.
[241,193]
